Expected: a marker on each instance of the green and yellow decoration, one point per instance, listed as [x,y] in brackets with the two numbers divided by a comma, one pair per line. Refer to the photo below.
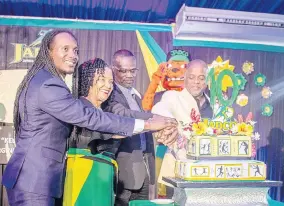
[220,77]
[90,179]
[217,67]
[241,81]
[267,110]
[259,79]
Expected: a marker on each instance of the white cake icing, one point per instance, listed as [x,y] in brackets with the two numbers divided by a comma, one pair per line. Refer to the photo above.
[219,146]
[220,170]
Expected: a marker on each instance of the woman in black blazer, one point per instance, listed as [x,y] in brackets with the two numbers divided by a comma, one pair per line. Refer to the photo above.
[93,84]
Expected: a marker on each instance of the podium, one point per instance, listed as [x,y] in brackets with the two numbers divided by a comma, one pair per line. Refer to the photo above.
[226,193]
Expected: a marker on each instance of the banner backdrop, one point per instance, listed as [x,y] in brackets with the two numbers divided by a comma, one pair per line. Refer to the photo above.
[7,142]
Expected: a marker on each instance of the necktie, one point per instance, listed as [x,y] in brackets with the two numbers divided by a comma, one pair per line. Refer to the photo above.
[142,136]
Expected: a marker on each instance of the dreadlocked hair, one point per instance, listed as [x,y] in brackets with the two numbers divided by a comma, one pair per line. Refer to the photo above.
[43,60]
[83,79]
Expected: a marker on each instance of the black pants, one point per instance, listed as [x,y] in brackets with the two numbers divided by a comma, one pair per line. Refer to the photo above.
[125,195]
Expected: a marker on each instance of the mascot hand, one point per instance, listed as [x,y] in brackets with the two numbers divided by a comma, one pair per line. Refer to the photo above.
[159,74]
[157,78]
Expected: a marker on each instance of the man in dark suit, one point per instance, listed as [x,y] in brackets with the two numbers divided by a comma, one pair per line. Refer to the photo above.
[135,156]
[45,111]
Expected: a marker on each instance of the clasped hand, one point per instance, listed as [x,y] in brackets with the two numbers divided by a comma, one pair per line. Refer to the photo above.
[167,136]
[166,128]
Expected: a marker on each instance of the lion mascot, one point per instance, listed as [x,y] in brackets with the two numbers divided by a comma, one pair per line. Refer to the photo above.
[170,75]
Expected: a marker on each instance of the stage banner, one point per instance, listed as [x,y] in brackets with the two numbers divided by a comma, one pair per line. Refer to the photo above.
[7,142]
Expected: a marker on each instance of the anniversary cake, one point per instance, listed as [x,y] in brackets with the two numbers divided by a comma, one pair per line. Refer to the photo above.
[220,157]
[221,149]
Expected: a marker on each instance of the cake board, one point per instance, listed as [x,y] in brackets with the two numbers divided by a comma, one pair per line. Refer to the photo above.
[226,193]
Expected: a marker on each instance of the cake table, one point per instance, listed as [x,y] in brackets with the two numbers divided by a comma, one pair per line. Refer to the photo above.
[233,193]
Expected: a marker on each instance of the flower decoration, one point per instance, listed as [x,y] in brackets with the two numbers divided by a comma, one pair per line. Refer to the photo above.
[219,65]
[244,126]
[256,136]
[253,150]
[241,81]
[195,118]
[248,67]
[252,122]
[244,129]
[266,92]
[242,100]
[199,128]
[217,131]
[234,129]
[209,131]
[259,79]
[267,110]
[248,119]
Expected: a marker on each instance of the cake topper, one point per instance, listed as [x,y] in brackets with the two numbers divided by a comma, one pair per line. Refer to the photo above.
[220,77]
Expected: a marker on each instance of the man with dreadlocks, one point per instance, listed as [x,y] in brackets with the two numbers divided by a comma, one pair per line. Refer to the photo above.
[44,113]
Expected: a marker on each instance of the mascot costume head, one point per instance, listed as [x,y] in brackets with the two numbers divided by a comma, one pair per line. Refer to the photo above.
[169,74]
[174,69]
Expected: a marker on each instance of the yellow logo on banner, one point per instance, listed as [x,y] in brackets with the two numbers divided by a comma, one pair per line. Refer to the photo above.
[27,53]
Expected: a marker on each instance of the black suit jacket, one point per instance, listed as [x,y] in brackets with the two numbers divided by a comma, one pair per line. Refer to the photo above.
[129,156]
[97,142]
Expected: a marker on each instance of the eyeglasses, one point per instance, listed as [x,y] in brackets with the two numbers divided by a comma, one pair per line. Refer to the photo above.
[125,71]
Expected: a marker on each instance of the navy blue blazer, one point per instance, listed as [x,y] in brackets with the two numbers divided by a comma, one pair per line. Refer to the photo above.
[38,162]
